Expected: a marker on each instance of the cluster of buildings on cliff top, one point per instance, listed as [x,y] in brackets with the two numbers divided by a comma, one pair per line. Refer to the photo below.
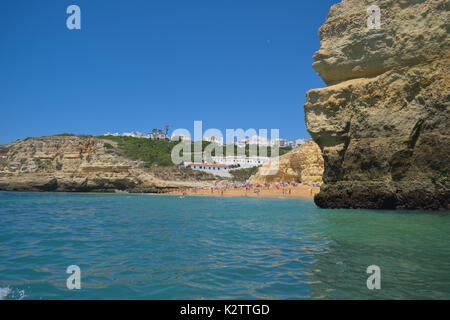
[220,166]
[254,140]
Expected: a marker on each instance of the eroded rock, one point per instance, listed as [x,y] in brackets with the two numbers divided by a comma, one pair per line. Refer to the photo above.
[304,164]
[383,120]
[81,164]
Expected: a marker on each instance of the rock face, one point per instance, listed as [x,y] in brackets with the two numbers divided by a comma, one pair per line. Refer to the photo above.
[71,163]
[304,163]
[383,120]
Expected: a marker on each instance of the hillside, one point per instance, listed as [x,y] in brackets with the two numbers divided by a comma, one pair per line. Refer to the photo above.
[85,163]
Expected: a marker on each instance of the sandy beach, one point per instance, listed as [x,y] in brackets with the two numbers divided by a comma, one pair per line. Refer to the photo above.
[298,191]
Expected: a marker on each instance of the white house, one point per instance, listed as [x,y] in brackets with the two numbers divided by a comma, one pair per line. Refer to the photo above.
[216,169]
[112,134]
[255,140]
[158,136]
[279,142]
[214,139]
[299,142]
[180,137]
[242,161]
[135,134]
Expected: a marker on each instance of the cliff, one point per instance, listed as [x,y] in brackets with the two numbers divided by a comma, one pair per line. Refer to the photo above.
[73,163]
[304,163]
[383,120]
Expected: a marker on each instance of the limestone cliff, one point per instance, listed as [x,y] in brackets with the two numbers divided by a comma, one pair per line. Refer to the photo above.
[304,163]
[71,163]
[383,120]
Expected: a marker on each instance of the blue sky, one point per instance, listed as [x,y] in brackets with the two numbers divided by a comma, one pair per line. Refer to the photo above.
[142,64]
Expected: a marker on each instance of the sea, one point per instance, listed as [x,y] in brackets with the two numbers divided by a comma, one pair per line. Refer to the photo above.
[142,246]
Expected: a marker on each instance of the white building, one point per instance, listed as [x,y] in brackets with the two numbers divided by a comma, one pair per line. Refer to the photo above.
[158,136]
[180,137]
[299,142]
[216,169]
[255,140]
[242,161]
[135,134]
[279,142]
[214,139]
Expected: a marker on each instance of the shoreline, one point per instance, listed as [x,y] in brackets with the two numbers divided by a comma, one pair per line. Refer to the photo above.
[288,192]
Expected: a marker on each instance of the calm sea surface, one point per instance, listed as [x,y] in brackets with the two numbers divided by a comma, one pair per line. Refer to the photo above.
[165,247]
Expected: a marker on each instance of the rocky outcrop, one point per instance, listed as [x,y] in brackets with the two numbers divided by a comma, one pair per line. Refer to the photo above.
[304,164]
[383,120]
[82,164]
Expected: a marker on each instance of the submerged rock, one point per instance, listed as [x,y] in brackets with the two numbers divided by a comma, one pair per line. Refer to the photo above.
[382,122]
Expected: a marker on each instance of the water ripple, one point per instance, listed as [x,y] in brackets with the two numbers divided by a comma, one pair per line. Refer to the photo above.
[150,247]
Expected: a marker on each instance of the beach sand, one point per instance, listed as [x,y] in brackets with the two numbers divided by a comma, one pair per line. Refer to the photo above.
[299,191]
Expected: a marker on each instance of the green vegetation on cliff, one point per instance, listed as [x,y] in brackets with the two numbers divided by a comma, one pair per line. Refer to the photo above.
[156,152]
[243,174]
[150,151]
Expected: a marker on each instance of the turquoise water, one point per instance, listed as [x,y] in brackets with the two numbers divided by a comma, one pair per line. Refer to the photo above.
[165,247]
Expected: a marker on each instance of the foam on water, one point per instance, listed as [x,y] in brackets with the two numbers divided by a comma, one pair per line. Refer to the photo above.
[11,294]
[4,292]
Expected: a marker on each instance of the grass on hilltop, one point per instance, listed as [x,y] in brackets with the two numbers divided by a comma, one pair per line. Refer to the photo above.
[156,152]
[152,152]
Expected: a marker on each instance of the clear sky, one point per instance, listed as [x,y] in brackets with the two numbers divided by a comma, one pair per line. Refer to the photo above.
[142,64]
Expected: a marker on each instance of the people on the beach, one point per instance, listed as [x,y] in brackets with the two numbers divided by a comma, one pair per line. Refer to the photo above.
[273,189]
